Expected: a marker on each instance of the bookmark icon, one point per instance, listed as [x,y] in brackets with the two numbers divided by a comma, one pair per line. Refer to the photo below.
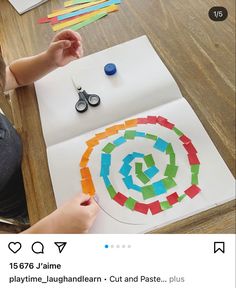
[60,246]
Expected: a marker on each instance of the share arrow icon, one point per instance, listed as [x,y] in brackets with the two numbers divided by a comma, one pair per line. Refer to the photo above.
[60,246]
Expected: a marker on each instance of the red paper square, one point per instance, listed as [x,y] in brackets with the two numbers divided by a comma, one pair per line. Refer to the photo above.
[142,121]
[193,159]
[141,207]
[155,207]
[120,198]
[152,119]
[173,198]
[168,125]
[192,191]
[190,148]
[184,139]
[161,120]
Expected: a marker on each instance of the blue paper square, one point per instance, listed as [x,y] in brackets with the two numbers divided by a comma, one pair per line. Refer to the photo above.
[119,141]
[159,188]
[106,181]
[128,158]
[137,155]
[151,172]
[140,134]
[128,182]
[125,169]
[161,145]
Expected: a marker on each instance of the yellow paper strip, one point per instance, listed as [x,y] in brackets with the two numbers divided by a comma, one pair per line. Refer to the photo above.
[75,8]
[72,2]
[63,25]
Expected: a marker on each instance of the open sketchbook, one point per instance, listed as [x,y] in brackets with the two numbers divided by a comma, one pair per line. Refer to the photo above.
[23,6]
[143,151]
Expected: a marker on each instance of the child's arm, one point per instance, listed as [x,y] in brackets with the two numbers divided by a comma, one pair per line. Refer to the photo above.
[65,47]
[76,216]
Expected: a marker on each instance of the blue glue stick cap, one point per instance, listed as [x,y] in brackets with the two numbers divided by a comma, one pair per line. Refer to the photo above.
[110,69]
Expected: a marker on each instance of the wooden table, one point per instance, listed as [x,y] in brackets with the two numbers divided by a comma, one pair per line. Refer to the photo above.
[198,52]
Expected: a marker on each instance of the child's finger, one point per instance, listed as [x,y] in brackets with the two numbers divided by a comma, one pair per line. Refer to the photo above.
[62,44]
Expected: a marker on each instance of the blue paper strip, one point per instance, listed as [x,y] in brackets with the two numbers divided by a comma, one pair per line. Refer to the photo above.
[89,9]
[105,170]
[137,155]
[140,134]
[106,159]
[159,187]
[125,169]
[119,141]
[128,158]
[161,145]
[106,181]
[128,182]
[151,172]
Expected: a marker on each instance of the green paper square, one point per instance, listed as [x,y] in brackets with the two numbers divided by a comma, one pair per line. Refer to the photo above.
[165,205]
[172,158]
[169,149]
[171,171]
[181,197]
[130,203]
[130,134]
[109,148]
[195,169]
[138,167]
[151,136]
[177,131]
[143,178]
[149,160]
[111,191]
[194,180]
[148,192]
[169,183]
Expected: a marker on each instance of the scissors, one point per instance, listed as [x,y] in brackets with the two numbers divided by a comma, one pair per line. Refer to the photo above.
[85,99]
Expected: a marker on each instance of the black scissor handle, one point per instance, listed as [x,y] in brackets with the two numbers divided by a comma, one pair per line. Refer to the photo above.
[82,105]
[93,99]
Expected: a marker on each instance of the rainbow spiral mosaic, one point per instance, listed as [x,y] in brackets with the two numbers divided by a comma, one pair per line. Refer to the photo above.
[145,166]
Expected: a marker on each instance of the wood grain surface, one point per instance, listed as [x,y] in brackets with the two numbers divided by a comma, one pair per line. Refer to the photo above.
[199,53]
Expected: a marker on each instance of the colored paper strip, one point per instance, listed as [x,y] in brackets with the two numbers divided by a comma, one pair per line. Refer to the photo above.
[195,169]
[148,192]
[169,149]
[111,191]
[173,198]
[150,136]
[74,8]
[140,134]
[190,148]
[152,119]
[120,198]
[184,139]
[155,207]
[128,180]
[141,207]
[194,179]
[119,141]
[169,183]
[159,187]
[172,159]
[125,169]
[149,161]
[129,158]
[85,173]
[130,134]
[143,178]
[165,205]
[177,131]
[109,148]
[137,155]
[74,2]
[142,121]
[138,167]
[171,171]
[131,123]
[130,203]
[161,145]
[151,172]
[106,181]
[193,159]
[192,191]
[89,21]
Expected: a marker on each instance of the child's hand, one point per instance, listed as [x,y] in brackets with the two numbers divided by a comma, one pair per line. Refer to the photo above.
[72,217]
[65,47]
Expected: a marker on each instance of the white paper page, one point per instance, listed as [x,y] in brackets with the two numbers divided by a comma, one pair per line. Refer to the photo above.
[142,82]
[215,179]
[23,6]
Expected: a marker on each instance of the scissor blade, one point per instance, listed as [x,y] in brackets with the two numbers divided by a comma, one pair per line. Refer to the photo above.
[77,87]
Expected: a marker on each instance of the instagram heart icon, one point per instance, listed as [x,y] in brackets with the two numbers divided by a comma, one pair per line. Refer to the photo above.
[14,246]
